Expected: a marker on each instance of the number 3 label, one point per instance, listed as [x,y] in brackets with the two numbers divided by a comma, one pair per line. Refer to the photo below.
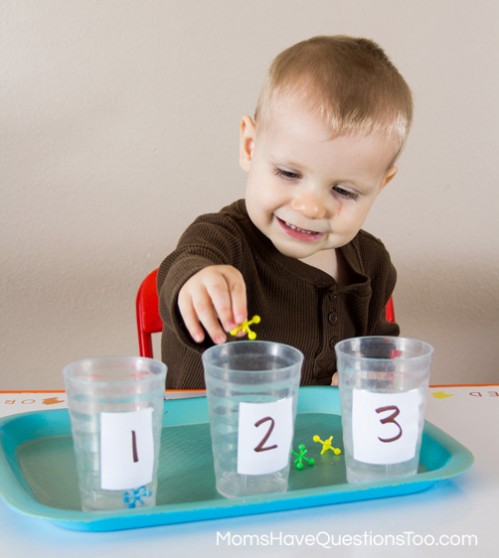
[264,436]
[385,426]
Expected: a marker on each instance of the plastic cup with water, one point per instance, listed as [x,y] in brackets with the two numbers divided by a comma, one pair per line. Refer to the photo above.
[116,410]
[252,390]
[383,384]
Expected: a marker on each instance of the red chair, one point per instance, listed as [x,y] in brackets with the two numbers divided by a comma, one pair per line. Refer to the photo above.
[390,311]
[147,313]
[149,321]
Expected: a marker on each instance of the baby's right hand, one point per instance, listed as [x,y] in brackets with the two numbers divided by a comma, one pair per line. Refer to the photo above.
[214,299]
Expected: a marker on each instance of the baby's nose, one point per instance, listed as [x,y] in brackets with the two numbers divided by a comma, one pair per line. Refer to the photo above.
[310,205]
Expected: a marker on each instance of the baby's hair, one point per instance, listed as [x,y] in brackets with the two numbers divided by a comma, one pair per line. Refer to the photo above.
[349,82]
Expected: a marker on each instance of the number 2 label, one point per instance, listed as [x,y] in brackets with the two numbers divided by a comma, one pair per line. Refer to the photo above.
[265,434]
[385,426]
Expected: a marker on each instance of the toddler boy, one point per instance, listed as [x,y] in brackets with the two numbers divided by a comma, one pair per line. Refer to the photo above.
[331,119]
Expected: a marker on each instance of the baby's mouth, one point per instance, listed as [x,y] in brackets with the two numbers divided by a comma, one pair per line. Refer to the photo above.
[297,232]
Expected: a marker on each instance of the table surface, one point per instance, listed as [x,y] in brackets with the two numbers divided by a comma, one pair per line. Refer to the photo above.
[456,517]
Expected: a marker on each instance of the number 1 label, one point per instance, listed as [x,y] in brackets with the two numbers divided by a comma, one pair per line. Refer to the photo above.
[385,426]
[127,449]
[264,436]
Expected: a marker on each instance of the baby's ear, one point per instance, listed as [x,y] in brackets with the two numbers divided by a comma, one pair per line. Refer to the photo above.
[247,131]
[390,174]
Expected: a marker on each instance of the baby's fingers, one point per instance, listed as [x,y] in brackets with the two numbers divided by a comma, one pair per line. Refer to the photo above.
[208,317]
[213,301]
[237,290]
[190,318]
[197,305]
[227,292]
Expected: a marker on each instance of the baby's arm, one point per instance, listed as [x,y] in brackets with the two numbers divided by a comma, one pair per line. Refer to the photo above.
[214,299]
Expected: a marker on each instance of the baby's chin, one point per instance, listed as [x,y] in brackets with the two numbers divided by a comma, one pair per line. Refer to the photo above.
[296,252]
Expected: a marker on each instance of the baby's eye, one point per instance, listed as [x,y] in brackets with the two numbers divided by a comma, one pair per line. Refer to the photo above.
[290,175]
[344,193]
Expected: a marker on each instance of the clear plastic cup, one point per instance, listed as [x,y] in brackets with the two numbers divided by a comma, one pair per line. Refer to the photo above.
[252,390]
[383,384]
[116,410]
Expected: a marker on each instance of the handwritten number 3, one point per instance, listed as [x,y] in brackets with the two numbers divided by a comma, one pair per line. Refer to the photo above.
[390,419]
[260,446]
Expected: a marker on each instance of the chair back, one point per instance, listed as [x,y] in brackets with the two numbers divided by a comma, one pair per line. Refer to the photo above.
[390,311]
[147,313]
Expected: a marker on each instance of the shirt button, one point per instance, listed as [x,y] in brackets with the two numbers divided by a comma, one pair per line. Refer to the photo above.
[332,317]
[332,343]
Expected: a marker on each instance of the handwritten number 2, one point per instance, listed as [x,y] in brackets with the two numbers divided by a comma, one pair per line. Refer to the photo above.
[260,446]
[390,419]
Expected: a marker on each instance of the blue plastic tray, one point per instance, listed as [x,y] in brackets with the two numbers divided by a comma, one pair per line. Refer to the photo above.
[38,473]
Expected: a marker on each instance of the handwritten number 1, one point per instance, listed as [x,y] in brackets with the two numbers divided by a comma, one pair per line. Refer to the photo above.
[260,446]
[134,447]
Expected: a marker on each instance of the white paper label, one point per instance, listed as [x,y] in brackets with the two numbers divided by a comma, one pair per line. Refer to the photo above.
[264,436]
[385,426]
[127,449]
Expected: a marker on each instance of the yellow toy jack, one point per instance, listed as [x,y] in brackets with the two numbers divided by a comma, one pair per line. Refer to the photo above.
[245,326]
[327,445]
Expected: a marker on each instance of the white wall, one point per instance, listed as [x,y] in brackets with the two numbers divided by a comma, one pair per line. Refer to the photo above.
[119,124]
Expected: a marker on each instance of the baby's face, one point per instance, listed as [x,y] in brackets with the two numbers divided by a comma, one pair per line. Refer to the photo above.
[305,190]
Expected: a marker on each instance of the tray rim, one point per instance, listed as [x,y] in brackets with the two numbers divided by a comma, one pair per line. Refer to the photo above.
[312,399]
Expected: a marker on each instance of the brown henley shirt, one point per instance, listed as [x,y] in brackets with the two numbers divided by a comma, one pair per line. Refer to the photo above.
[298,304]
